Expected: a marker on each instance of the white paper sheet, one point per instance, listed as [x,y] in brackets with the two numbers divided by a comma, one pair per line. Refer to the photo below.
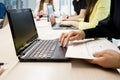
[85,49]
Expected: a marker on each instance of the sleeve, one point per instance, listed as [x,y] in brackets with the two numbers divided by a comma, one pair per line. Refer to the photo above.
[104,29]
[100,12]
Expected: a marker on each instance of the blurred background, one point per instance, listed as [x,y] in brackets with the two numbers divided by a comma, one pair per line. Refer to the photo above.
[64,6]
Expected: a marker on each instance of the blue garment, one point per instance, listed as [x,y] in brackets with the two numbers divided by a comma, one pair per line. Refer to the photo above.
[2,11]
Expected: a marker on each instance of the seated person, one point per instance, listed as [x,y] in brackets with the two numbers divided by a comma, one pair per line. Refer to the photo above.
[79,8]
[2,13]
[41,8]
[96,10]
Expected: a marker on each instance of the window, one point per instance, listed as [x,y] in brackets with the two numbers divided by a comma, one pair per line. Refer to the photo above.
[17,4]
[65,6]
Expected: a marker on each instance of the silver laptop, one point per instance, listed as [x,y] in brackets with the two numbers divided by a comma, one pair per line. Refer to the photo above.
[28,46]
[55,25]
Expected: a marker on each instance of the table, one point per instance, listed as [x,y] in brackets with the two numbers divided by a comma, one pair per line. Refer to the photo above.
[76,69]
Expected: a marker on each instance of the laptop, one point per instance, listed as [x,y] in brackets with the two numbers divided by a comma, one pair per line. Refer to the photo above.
[55,25]
[25,37]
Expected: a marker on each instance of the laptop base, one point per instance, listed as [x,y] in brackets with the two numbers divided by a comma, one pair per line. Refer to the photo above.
[57,26]
[45,60]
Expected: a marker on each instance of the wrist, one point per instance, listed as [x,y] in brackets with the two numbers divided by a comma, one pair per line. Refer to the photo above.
[83,35]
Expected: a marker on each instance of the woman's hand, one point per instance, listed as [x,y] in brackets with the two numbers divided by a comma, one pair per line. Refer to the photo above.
[107,59]
[40,13]
[71,36]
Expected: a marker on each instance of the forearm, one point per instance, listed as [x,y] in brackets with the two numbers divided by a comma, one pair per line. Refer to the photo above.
[119,61]
[73,18]
[74,23]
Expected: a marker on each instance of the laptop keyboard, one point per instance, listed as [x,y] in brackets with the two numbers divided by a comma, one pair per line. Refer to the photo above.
[44,49]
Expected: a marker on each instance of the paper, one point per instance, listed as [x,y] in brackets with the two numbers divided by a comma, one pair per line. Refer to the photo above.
[85,49]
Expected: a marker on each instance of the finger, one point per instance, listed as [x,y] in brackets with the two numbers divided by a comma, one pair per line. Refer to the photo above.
[98,60]
[94,61]
[62,38]
[66,41]
[98,54]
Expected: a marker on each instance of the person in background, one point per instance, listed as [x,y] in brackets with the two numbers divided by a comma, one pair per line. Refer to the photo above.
[79,8]
[41,8]
[109,27]
[2,14]
[2,11]
[96,10]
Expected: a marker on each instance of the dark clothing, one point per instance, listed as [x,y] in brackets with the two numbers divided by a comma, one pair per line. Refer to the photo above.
[2,11]
[109,27]
[81,4]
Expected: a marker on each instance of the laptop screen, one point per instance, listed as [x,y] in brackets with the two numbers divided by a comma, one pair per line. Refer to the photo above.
[22,27]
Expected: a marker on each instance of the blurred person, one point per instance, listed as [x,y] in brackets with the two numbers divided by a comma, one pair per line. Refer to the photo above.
[2,13]
[41,8]
[96,10]
[79,8]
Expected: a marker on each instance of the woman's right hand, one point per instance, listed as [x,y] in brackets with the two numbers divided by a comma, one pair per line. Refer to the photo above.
[71,36]
[40,13]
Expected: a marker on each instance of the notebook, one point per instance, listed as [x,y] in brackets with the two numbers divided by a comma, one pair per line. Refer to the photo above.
[84,49]
[25,37]
[55,25]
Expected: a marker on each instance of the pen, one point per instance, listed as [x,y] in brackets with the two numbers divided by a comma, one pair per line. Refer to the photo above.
[1,63]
